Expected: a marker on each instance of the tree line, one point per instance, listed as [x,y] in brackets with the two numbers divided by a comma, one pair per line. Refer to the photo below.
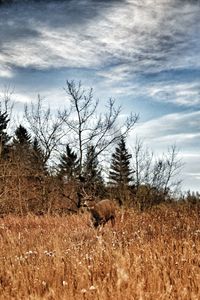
[52,159]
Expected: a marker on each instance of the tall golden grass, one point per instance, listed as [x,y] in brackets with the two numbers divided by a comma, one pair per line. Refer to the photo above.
[149,255]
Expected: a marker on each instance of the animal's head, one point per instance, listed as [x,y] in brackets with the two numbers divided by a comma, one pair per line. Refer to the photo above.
[88,200]
[88,203]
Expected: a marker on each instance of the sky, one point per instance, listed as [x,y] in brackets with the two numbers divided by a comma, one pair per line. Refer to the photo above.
[143,53]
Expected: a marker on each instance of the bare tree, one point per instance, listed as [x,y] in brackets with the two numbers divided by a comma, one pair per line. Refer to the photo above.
[87,127]
[166,170]
[156,180]
[160,173]
[6,109]
[142,163]
[46,126]
[6,103]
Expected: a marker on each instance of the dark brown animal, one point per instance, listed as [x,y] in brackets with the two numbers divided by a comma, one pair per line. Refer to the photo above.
[101,212]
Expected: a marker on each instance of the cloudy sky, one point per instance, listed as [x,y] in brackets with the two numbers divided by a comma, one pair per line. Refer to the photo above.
[143,53]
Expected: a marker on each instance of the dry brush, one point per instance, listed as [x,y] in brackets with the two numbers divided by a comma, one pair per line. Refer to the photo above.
[149,255]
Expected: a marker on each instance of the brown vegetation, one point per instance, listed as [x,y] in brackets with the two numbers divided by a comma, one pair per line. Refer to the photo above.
[148,255]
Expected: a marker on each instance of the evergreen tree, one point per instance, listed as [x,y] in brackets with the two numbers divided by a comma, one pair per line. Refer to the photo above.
[21,147]
[22,143]
[37,150]
[4,137]
[69,164]
[38,160]
[120,171]
[92,173]
[29,154]
[22,137]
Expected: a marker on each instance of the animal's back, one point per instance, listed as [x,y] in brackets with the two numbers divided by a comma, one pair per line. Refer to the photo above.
[106,209]
[101,212]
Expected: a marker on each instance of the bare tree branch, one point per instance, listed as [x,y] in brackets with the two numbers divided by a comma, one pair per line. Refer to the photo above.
[89,128]
[46,127]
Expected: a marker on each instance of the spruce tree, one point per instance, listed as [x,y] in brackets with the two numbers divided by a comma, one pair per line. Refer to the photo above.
[22,137]
[69,164]
[38,160]
[22,143]
[21,148]
[27,152]
[94,182]
[4,137]
[120,171]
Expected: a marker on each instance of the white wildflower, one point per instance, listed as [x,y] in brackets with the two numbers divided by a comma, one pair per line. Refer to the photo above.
[64,283]
[44,283]
[49,253]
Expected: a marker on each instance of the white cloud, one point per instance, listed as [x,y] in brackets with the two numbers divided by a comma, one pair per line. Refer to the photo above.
[147,36]
[180,128]
[6,73]
[190,172]
[21,98]
[5,70]
[179,93]
[119,40]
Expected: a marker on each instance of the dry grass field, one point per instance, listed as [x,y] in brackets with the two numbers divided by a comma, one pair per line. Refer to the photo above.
[149,255]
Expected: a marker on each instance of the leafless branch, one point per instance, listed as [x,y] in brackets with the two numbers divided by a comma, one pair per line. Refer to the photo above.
[47,128]
[89,128]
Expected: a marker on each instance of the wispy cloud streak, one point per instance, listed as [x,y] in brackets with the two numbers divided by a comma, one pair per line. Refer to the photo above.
[180,129]
[148,36]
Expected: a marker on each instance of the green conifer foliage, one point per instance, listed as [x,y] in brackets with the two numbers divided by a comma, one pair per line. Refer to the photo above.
[38,160]
[4,137]
[21,149]
[22,136]
[120,175]
[69,164]
[94,182]
[22,143]
[120,171]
